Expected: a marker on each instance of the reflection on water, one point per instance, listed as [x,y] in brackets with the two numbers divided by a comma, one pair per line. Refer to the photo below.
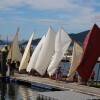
[17,92]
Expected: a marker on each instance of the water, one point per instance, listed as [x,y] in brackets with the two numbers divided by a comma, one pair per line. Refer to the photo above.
[1,46]
[17,92]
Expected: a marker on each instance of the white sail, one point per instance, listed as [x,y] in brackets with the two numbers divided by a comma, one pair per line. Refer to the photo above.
[46,52]
[35,54]
[26,55]
[14,52]
[61,45]
[76,56]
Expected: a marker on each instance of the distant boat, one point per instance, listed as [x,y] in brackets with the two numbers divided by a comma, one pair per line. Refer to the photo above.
[46,52]
[76,57]
[35,55]
[26,55]
[62,43]
[14,52]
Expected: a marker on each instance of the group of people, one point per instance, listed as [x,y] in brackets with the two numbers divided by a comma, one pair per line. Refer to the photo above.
[11,66]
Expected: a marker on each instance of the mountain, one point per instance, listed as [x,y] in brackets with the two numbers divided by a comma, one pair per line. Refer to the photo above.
[34,42]
[79,38]
[2,42]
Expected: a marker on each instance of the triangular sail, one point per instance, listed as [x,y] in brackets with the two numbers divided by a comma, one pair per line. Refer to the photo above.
[62,43]
[26,55]
[46,52]
[35,54]
[91,52]
[76,57]
[14,52]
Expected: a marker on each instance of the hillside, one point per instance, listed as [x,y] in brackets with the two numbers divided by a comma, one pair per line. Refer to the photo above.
[34,42]
[79,37]
[2,42]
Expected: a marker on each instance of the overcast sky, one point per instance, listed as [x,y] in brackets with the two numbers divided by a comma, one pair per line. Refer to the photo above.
[29,15]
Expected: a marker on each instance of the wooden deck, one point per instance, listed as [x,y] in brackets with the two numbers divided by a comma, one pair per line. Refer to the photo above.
[62,85]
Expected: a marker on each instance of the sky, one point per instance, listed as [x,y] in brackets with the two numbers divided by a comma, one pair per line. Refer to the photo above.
[37,15]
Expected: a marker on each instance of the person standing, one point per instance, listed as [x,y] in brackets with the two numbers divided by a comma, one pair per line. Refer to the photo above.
[8,66]
[58,74]
[13,67]
[92,76]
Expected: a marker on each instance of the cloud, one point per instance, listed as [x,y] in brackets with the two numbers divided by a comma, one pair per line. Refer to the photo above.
[51,4]
[75,14]
[38,4]
[47,4]
[7,5]
[66,6]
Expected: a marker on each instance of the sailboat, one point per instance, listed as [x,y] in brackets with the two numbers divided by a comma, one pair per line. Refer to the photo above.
[76,56]
[26,55]
[90,54]
[14,52]
[35,55]
[46,52]
[62,43]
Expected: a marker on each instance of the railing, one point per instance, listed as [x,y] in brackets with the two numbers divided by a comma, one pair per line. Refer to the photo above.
[43,97]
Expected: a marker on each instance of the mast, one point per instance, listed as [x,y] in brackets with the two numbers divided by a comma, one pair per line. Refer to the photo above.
[7,40]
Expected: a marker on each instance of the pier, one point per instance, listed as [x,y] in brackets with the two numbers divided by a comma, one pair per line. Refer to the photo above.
[56,90]
[47,82]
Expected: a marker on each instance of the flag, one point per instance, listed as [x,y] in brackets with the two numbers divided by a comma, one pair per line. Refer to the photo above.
[91,52]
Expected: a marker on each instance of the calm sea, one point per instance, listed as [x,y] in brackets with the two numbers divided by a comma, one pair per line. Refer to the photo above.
[1,46]
[13,91]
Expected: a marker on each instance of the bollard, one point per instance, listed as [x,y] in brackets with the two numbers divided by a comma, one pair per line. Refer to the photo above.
[42,98]
[49,98]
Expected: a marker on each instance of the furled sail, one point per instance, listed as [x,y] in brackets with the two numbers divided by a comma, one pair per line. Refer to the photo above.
[35,54]
[62,43]
[26,55]
[76,57]
[46,52]
[14,52]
